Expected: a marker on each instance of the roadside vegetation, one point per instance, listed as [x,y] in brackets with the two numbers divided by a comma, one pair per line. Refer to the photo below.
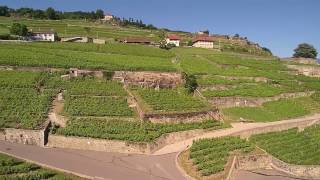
[14,169]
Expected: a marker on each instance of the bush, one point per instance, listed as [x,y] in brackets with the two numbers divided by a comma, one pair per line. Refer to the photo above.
[191,83]
[19,29]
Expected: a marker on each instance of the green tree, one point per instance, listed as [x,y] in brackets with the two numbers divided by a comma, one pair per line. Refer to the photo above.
[4,11]
[51,13]
[99,14]
[306,51]
[19,29]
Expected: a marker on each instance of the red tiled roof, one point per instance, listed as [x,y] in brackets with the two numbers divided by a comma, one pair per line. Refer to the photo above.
[203,38]
[137,40]
[173,37]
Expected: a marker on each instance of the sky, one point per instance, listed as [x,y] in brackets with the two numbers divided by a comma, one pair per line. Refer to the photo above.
[279,25]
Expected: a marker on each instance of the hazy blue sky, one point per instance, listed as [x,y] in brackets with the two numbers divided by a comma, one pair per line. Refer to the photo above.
[277,24]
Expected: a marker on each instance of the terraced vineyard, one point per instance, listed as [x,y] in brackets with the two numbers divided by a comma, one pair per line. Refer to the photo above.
[129,131]
[95,97]
[13,169]
[292,146]
[169,100]
[69,28]
[25,55]
[23,103]
[210,155]
[275,110]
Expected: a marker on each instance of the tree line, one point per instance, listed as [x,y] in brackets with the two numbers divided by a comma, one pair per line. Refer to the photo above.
[53,14]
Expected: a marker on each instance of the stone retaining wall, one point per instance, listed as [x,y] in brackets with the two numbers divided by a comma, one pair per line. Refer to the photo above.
[276,127]
[25,136]
[150,79]
[226,102]
[302,171]
[97,144]
[267,161]
[253,161]
[84,143]
[311,70]
[181,117]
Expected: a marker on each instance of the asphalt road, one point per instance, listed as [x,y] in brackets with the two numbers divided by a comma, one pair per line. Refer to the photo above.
[117,166]
[100,165]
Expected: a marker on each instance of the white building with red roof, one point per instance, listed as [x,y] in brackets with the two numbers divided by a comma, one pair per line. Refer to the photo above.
[108,17]
[173,39]
[203,41]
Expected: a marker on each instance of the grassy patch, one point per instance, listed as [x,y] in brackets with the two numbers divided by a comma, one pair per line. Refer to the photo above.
[274,110]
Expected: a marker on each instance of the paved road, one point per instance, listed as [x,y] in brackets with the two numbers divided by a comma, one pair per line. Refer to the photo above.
[101,165]
[116,166]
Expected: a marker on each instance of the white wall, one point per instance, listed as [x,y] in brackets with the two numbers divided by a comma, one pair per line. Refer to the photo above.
[203,44]
[175,42]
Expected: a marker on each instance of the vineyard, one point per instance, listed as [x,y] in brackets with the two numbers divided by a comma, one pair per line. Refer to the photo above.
[14,169]
[292,146]
[95,97]
[24,104]
[275,110]
[25,55]
[127,130]
[94,87]
[211,155]
[70,28]
[112,48]
[97,106]
[169,100]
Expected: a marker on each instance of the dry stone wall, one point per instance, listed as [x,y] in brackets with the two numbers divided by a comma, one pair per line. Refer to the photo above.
[225,102]
[266,161]
[181,117]
[25,136]
[312,71]
[150,79]
[120,146]
[302,171]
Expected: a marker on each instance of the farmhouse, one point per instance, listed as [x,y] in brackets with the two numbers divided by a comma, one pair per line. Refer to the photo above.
[108,17]
[203,41]
[173,39]
[137,40]
[44,36]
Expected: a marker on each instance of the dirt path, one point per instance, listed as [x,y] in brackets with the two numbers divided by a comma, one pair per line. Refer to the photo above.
[237,128]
